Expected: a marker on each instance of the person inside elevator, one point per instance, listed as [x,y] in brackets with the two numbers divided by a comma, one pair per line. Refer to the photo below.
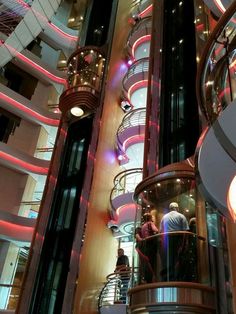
[173,220]
[123,267]
[146,272]
[173,243]
[149,229]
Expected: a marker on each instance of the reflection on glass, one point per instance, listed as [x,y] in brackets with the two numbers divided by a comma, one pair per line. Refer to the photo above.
[75,158]
[177,252]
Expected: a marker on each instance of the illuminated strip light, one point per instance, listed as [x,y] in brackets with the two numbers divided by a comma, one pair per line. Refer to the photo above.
[41,69]
[139,41]
[219,5]
[19,230]
[129,207]
[136,86]
[231,198]
[34,65]
[146,10]
[133,140]
[57,29]
[23,164]
[28,111]
[224,92]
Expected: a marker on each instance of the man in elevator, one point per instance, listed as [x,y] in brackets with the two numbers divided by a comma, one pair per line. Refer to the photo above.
[173,243]
[173,220]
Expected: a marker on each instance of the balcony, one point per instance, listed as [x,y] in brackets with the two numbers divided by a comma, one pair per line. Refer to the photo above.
[142,8]
[130,132]
[138,42]
[136,78]
[123,208]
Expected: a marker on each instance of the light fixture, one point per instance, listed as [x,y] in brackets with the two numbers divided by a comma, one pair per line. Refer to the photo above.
[76,111]
[231,198]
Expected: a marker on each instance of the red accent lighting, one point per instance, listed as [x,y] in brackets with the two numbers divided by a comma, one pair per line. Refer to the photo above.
[30,112]
[23,164]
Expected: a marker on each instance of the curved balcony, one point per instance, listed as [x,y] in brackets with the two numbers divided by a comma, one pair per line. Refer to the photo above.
[216,93]
[60,36]
[136,77]
[26,109]
[35,19]
[40,70]
[131,131]
[138,43]
[121,199]
[216,86]
[17,160]
[16,228]
[142,9]
[85,74]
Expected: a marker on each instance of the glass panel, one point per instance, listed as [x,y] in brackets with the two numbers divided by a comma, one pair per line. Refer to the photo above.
[75,158]
[176,251]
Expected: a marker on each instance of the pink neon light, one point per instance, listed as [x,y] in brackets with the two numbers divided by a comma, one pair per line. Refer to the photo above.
[145,11]
[139,41]
[219,5]
[126,207]
[63,132]
[24,4]
[42,70]
[57,29]
[23,164]
[29,111]
[133,140]
[136,86]
[231,198]
[16,229]
[224,92]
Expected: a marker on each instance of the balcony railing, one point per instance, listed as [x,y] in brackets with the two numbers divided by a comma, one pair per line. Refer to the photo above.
[115,289]
[133,120]
[126,181]
[141,29]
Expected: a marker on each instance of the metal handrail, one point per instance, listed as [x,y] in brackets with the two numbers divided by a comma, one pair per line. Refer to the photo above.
[141,5]
[139,66]
[136,117]
[115,290]
[120,182]
[144,23]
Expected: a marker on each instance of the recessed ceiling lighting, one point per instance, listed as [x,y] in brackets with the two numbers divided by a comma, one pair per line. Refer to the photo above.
[76,111]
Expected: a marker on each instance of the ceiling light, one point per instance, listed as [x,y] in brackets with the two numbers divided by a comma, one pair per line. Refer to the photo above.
[76,111]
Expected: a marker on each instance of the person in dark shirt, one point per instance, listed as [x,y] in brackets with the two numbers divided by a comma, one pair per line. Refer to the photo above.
[122,265]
